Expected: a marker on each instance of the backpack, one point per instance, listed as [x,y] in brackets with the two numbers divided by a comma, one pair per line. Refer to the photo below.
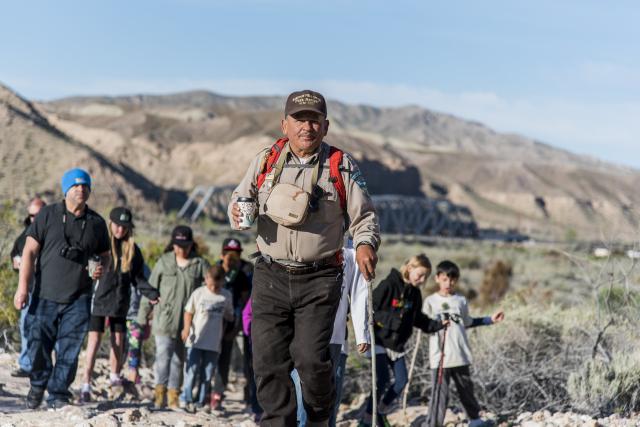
[335,161]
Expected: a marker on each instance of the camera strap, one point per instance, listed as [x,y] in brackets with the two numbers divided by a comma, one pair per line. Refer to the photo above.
[64,227]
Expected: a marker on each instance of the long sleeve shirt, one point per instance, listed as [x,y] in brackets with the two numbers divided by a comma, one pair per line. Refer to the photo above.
[321,235]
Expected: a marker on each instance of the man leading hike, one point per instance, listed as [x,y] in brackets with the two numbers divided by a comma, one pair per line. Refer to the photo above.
[308,193]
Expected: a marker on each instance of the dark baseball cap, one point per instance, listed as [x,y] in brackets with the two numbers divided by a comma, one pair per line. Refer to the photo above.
[231,244]
[182,235]
[121,216]
[305,100]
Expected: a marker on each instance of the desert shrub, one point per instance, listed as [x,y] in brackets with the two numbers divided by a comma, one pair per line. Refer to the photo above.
[152,251]
[495,283]
[469,262]
[616,299]
[523,363]
[9,229]
[603,388]
[8,284]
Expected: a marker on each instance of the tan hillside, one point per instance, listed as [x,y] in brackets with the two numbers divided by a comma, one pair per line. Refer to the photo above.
[35,154]
[509,181]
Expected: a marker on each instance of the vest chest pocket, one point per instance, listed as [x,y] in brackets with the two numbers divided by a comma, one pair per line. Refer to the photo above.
[329,205]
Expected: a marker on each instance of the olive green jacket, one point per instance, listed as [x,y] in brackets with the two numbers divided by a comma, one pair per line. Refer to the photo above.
[175,285]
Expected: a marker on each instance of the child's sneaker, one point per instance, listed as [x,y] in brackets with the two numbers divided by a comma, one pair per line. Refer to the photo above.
[116,389]
[216,401]
[85,393]
[384,408]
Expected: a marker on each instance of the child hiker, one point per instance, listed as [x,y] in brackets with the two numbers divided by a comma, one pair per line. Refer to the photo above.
[202,334]
[111,296]
[178,272]
[449,352]
[397,307]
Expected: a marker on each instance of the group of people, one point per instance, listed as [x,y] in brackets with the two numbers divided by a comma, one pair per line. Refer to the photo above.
[79,274]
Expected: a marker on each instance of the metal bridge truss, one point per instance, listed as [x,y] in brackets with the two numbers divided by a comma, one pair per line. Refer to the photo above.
[397,214]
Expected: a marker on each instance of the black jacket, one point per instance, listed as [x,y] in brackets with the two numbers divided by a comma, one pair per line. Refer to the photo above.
[112,293]
[397,308]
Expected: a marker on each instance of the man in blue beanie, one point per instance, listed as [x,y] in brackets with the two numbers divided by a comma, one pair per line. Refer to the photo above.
[62,240]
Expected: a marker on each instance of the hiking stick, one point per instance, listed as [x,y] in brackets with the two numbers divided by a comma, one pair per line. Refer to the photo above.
[413,364]
[372,337]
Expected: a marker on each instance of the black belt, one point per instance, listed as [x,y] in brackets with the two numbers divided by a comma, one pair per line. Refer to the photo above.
[312,267]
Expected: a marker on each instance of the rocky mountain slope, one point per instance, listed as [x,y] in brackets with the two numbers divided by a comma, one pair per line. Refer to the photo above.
[186,139]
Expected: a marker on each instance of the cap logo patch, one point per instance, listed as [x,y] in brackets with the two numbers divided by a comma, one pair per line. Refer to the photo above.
[234,244]
[124,217]
[181,237]
[306,99]
[79,181]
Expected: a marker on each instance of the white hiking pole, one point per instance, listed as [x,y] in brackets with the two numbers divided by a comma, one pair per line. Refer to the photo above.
[372,337]
[413,364]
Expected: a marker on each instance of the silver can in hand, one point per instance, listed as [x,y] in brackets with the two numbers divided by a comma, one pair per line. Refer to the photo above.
[247,206]
[94,262]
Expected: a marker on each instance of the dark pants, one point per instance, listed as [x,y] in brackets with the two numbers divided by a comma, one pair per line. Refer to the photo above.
[338,360]
[389,392]
[461,376]
[340,366]
[293,319]
[253,392]
[63,327]
[224,363]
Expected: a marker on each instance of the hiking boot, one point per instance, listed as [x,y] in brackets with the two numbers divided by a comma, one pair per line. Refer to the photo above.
[173,398]
[204,408]
[190,408]
[34,398]
[159,396]
[20,373]
[384,408]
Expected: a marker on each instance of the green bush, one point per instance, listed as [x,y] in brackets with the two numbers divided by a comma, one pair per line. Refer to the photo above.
[617,299]
[8,284]
[606,388]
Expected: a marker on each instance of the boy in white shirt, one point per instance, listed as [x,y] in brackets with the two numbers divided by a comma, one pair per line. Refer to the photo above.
[449,352]
[202,332]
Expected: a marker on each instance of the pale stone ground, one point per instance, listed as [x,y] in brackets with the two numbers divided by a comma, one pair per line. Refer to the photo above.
[131,412]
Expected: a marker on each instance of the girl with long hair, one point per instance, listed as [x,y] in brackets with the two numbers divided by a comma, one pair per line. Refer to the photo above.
[111,297]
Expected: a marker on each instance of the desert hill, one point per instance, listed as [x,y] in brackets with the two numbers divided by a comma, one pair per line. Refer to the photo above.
[182,140]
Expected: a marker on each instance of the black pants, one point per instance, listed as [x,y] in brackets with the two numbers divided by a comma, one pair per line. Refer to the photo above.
[464,386]
[224,363]
[292,324]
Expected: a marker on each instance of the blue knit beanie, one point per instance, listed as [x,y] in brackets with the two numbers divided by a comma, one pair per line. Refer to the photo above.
[73,177]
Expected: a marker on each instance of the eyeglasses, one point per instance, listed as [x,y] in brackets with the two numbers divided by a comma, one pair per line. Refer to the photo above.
[314,201]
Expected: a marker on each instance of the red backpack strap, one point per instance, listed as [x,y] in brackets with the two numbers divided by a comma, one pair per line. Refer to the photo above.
[335,161]
[270,159]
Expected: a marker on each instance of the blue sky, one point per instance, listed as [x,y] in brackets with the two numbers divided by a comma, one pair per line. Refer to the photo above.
[566,73]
